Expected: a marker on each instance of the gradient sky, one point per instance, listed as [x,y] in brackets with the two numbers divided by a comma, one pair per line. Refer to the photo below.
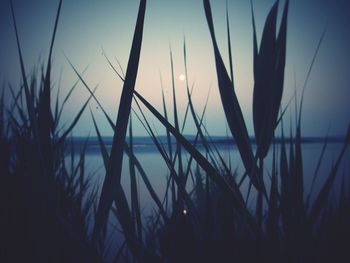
[87,26]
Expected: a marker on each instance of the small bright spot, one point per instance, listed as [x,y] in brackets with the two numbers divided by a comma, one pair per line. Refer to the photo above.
[182,77]
[184,212]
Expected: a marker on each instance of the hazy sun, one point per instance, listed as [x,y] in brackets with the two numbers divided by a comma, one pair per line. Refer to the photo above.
[182,77]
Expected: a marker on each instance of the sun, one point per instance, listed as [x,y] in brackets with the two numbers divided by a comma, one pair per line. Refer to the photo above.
[182,77]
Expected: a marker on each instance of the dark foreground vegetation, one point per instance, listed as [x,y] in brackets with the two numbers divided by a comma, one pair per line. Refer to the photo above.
[50,212]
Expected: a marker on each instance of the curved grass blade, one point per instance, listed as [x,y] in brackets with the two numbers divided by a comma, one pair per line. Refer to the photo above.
[309,73]
[45,115]
[57,119]
[269,68]
[229,43]
[75,121]
[230,104]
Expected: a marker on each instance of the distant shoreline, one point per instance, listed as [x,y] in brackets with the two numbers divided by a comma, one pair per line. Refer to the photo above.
[147,141]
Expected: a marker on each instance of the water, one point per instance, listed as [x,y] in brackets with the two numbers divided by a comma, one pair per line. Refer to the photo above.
[157,171]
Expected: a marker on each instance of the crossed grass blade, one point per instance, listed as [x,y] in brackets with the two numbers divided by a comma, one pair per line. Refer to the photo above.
[176,177]
[203,162]
[66,98]
[126,149]
[75,121]
[111,189]
[192,110]
[197,136]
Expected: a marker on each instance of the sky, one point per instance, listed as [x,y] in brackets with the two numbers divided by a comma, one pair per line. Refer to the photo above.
[87,27]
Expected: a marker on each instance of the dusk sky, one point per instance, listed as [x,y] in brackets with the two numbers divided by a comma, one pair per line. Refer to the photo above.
[88,26]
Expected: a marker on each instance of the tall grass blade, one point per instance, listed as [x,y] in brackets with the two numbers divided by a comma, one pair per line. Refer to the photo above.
[309,73]
[269,65]
[298,176]
[111,183]
[104,152]
[316,173]
[230,104]
[273,201]
[166,117]
[177,127]
[321,199]
[135,206]
[45,116]
[229,42]
[173,193]
[255,41]
[285,182]
[29,100]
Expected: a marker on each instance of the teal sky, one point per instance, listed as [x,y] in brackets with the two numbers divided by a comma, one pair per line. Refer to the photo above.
[85,27]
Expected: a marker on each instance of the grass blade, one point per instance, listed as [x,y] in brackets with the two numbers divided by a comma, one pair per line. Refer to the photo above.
[321,200]
[319,162]
[202,161]
[75,121]
[229,43]
[29,100]
[135,206]
[230,104]
[269,66]
[104,152]
[126,149]
[111,189]
[178,146]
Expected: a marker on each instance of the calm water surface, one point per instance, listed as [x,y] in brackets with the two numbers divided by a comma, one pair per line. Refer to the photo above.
[157,171]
